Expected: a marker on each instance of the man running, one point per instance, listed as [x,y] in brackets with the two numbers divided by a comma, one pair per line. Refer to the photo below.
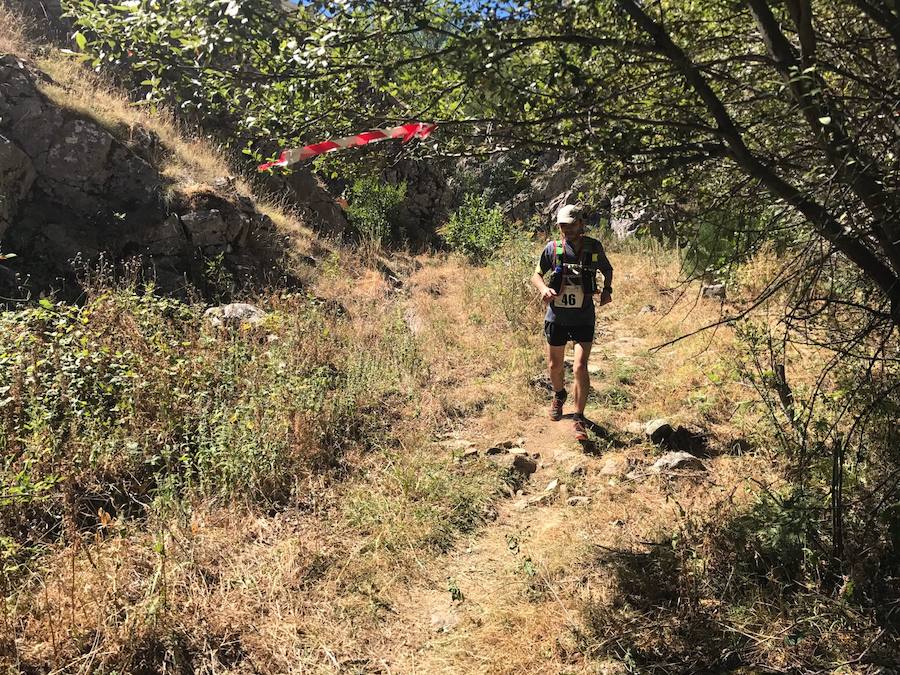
[570,306]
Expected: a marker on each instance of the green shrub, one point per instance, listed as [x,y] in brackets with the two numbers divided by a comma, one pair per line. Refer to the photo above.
[133,393]
[373,209]
[477,230]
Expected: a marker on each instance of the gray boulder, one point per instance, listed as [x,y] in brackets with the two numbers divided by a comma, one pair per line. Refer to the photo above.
[677,461]
[658,430]
[205,228]
[17,175]
[235,314]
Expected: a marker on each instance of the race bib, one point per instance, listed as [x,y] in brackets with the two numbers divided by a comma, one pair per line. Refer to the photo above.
[569,297]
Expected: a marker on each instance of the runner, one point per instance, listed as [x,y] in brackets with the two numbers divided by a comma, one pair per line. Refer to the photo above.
[574,260]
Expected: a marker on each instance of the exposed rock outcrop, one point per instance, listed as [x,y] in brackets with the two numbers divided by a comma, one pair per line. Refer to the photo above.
[428,198]
[69,189]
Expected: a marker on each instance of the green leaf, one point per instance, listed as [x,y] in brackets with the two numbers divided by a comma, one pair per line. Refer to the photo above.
[80,40]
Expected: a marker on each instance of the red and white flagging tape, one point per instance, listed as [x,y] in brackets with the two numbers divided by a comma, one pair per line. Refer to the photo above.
[405,131]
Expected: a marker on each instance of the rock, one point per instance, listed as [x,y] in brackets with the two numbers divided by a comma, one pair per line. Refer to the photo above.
[615,466]
[205,228]
[9,282]
[541,499]
[236,314]
[635,428]
[165,239]
[677,461]
[688,441]
[444,621]
[471,453]
[509,444]
[577,468]
[505,461]
[647,309]
[327,216]
[496,450]
[413,322]
[17,175]
[524,465]
[552,485]
[578,500]
[658,430]
[453,444]
[713,291]
[428,198]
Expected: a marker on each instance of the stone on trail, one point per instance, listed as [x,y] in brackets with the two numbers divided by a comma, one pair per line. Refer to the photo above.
[510,444]
[674,461]
[578,500]
[614,466]
[658,430]
[521,463]
[541,500]
[524,465]
[577,468]
[236,314]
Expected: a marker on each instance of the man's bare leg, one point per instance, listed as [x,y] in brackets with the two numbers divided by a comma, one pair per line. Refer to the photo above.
[556,357]
[582,377]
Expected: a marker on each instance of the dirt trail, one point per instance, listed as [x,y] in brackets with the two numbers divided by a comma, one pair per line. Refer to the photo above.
[479,607]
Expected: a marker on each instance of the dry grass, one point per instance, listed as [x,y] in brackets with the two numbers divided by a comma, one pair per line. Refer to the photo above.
[187,157]
[348,576]
[12,32]
[354,577]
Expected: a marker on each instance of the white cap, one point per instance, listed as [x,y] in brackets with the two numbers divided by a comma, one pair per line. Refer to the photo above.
[568,214]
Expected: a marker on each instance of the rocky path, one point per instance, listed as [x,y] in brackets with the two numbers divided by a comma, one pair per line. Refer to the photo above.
[510,597]
[478,608]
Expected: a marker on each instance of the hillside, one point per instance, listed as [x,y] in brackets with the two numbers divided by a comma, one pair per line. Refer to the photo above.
[360,474]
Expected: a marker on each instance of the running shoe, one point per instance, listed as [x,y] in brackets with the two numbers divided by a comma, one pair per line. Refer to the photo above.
[556,408]
[578,428]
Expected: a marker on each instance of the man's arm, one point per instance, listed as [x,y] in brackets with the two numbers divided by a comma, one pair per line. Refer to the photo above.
[537,279]
[605,268]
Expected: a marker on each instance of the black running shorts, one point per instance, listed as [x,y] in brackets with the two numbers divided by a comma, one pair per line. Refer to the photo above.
[558,336]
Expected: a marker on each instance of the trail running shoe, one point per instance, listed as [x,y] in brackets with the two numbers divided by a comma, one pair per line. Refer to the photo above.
[578,428]
[556,408]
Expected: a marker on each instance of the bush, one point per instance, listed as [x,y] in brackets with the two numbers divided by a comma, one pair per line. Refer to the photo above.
[476,230]
[373,209]
[133,396]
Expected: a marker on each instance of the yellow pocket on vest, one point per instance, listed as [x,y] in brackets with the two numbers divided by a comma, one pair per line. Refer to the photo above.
[569,297]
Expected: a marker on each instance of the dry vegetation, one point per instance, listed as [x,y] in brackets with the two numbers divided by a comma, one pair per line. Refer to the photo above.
[290,498]
[348,569]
